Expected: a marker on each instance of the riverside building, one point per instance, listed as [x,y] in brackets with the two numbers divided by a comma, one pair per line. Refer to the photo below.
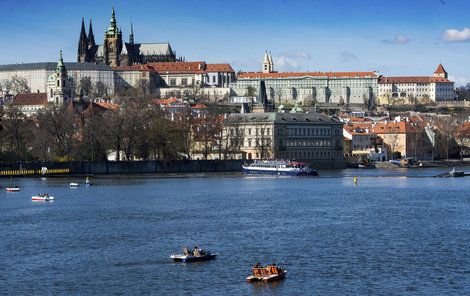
[423,89]
[312,137]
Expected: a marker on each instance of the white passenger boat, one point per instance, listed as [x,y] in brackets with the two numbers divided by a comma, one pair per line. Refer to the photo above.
[42,197]
[74,185]
[279,167]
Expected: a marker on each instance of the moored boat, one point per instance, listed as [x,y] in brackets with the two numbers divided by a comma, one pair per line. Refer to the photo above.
[196,254]
[456,174]
[13,189]
[74,185]
[279,167]
[270,273]
[42,197]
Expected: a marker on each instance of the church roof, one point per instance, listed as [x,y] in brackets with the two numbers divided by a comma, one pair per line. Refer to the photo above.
[30,99]
[154,48]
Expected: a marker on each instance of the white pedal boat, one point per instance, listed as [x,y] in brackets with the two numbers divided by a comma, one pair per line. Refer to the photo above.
[13,189]
[42,197]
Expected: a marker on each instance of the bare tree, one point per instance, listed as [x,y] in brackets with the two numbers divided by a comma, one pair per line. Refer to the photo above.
[16,85]
[446,134]
[57,126]
[85,85]
[100,90]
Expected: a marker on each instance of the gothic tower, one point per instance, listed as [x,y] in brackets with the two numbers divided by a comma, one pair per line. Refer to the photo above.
[131,36]
[91,37]
[112,43]
[82,55]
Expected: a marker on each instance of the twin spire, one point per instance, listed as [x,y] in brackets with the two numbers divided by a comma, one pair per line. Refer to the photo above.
[268,64]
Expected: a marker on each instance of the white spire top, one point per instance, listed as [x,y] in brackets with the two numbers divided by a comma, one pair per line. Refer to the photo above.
[266,57]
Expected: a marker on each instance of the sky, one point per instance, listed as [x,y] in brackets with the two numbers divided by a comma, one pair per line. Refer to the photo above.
[396,38]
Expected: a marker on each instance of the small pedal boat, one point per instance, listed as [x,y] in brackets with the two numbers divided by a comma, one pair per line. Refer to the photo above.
[270,273]
[13,189]
[42,197]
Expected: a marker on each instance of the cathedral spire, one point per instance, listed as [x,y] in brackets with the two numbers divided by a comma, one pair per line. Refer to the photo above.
[112,24]
[131,36]
[82,44]
[91,37]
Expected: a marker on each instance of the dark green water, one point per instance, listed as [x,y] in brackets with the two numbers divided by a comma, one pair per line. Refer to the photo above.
[399,234]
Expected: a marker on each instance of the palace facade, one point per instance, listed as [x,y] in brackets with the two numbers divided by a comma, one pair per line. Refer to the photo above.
[308,88]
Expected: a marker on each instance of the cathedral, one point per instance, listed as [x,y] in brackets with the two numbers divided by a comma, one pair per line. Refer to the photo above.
[115,52]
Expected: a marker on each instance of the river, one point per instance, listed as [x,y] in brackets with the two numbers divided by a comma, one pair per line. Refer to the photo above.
[397,232]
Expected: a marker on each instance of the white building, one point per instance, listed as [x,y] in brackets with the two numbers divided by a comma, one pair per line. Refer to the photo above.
[37,74]
[422,88]
[358,88]
[30,104]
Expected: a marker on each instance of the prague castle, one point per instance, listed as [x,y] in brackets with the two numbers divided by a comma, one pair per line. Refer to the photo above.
[116,52]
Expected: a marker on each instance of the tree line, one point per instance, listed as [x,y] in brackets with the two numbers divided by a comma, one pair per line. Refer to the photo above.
[138,129]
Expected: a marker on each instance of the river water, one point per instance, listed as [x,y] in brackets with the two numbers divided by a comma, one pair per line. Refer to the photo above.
[397,232]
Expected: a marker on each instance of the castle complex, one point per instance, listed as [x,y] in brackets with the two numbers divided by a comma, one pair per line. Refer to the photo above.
[116,52]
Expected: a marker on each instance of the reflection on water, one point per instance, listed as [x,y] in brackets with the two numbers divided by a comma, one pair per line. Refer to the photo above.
[402,233]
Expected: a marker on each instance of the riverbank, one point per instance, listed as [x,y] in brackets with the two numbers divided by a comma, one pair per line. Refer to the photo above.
[118,167]
[425,164]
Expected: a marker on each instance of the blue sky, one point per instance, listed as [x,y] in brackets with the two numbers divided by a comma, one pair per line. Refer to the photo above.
[394,37]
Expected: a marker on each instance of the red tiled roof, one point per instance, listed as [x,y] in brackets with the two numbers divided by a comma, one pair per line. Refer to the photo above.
[199,106]
[412,79]
[440,70]
[303,74]
[359,129]
[179,67]
[30,99]
[164,101]
[219,68]
[110,106]
[401,127]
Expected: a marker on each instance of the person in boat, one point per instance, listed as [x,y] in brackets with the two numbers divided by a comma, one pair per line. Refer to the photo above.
[186,251]
[196,252]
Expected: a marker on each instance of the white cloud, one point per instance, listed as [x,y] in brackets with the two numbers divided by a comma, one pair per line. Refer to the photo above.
[300,54]
[346,56]
[459,81]
[453,35]
[285,63]
[397,40]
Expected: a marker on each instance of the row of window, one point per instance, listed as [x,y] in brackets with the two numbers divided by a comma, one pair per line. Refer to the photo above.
[311,142]
[309,154]
[309,132]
